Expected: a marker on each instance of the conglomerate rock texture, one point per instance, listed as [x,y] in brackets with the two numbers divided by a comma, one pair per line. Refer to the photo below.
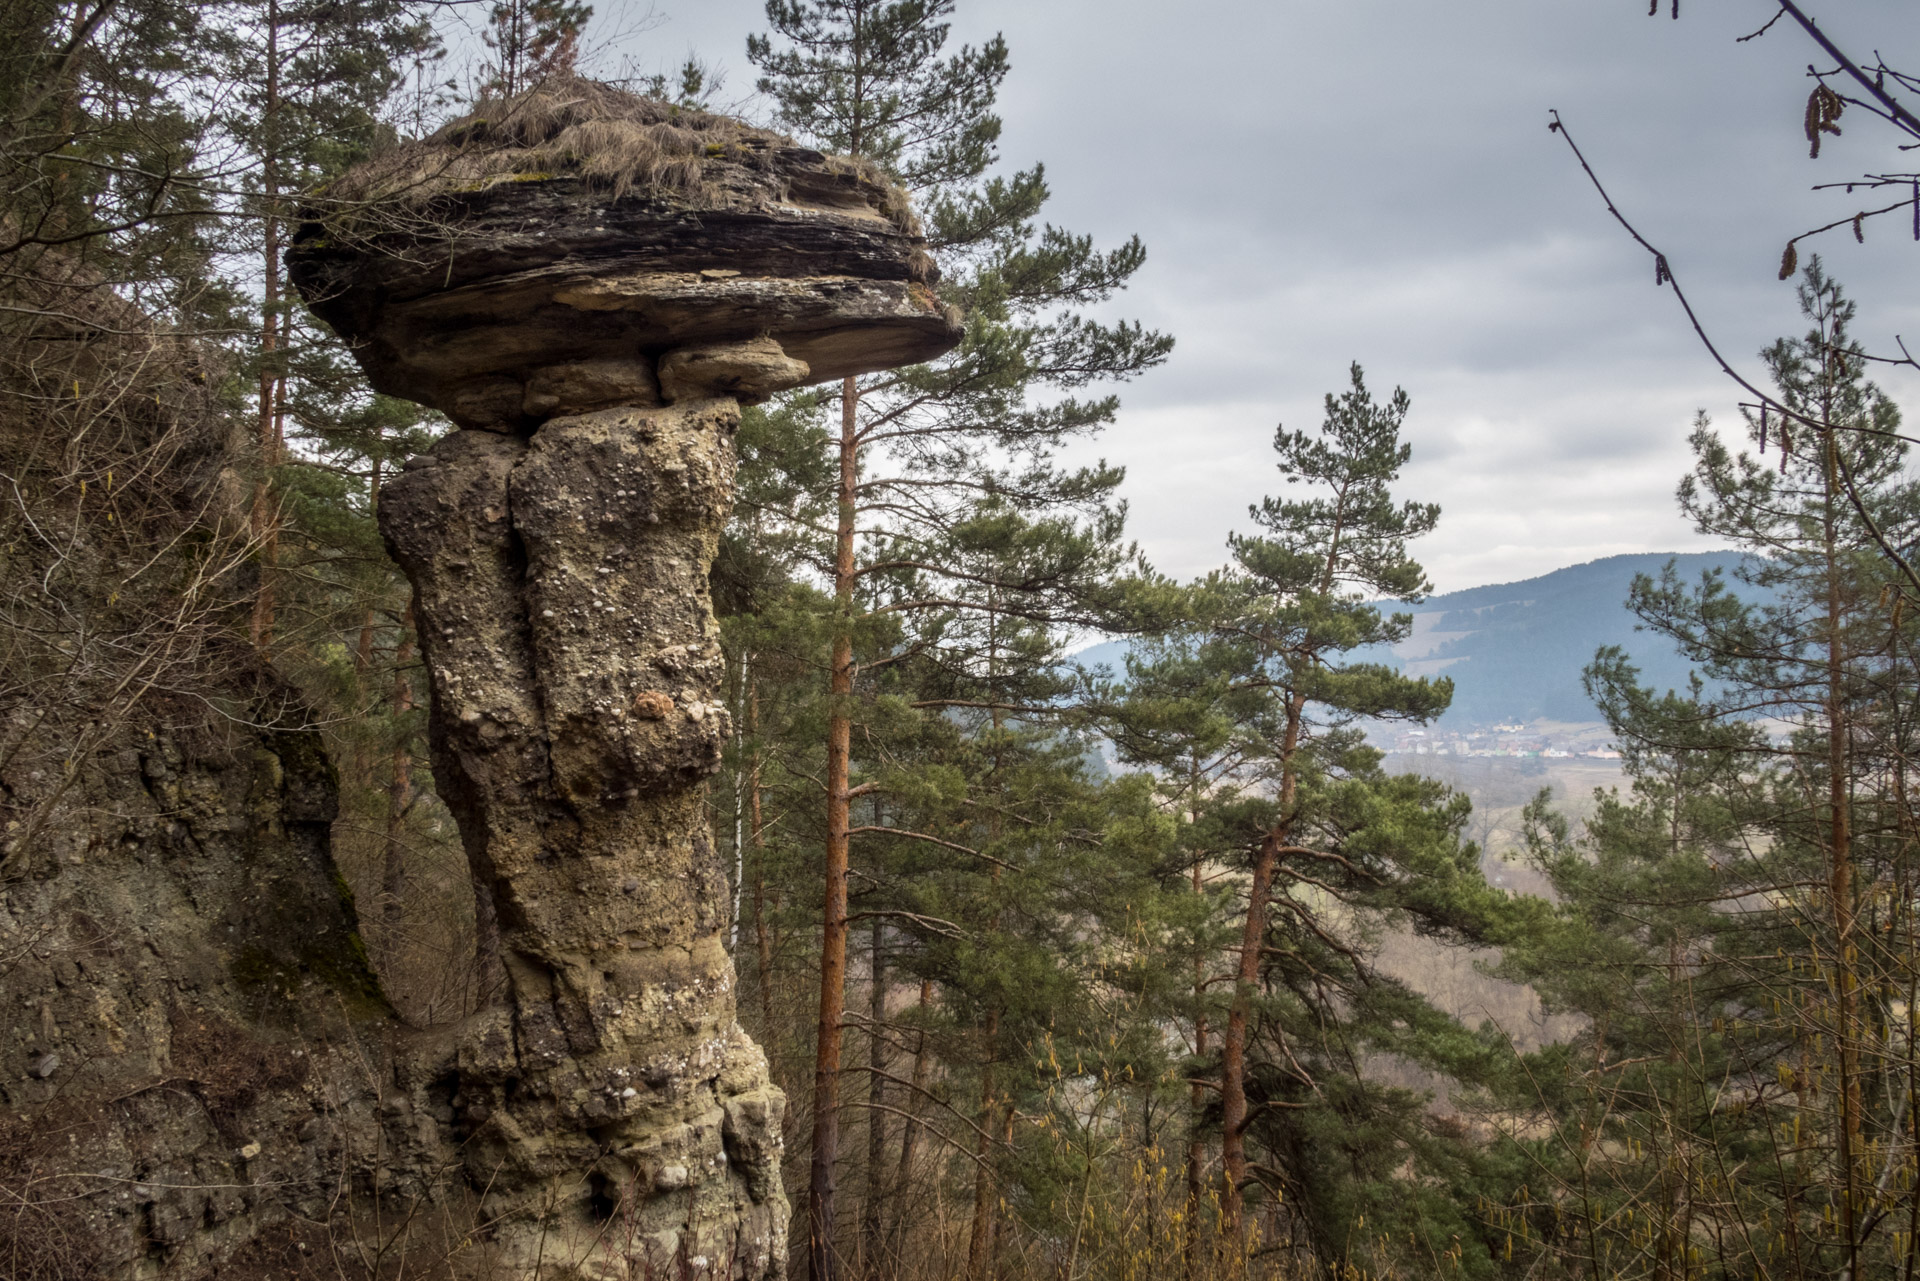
[614,1111]
[595,344]
[194,1051]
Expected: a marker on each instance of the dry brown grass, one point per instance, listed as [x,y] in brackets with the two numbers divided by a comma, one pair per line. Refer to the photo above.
[46,1229]
[609,139]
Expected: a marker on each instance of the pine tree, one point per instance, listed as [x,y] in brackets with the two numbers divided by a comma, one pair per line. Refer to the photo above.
[530,41]
[1741,930]
[313,79]
[1333,841]
[1179,715]
[866,78]
[940,465]
[104,173]
[1360,846]
[1030,893]
[1302,591]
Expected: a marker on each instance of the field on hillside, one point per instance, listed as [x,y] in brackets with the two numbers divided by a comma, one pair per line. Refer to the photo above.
[1500,788]
[1454,978]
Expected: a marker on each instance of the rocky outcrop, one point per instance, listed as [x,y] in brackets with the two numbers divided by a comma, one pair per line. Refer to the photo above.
[194,1052]
[194,1037]
[595,344]
[478,284]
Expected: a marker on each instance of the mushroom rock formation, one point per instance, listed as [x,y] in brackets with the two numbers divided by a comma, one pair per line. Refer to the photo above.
[539,259]
[590,284]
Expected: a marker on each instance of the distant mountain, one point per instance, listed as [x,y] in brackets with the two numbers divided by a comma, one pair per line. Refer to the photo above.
[1515,651]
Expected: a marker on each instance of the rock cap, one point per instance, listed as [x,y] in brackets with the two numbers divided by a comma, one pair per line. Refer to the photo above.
[579,225]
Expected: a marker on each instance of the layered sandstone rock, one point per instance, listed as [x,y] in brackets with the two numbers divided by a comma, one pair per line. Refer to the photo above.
[594,331]
[505,258]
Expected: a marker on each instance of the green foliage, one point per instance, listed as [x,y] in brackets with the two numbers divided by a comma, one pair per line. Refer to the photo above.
[867,78]
[1245,718]
[1356,455]
[102,174]
[531,40]
[962,558]
[1738,931]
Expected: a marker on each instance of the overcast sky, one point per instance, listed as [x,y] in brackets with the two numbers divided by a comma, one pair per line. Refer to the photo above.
[1373,180]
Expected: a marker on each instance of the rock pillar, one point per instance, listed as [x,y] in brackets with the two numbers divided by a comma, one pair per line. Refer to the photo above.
[594,347]
[618,1116]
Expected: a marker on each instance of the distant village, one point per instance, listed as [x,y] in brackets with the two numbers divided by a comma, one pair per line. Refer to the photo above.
[1547,739]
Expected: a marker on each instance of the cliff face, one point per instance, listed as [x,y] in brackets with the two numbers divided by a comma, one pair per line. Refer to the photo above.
[193,1050]
[195,1040]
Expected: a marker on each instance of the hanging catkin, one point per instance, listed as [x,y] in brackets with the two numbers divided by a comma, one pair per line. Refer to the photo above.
[1823,108]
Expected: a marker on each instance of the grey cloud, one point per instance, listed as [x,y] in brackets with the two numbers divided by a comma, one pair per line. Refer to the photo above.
[1373,180]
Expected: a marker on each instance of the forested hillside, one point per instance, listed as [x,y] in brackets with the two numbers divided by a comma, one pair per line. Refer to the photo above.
[1516,651]
[319,964]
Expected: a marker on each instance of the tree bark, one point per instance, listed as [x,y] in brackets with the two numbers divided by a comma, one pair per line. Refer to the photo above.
[1233,1071]
[821,1259]
[762,938]
[362,669]
[980,1240]
[742,773]
[980,1246]
[871,1211]
[1234,1114]
[264,520]
[1197,1094]
[910,1133]
[1840,887]
[399,786]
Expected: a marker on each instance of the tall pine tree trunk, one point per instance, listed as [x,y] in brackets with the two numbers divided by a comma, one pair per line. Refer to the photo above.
[910,1132]
[1234,1114]
[1197,1095]
[400,784]
[763,945]
[762,937]
[833,931]
[742,772]
[264,520]
[363,650]
[873,1208]
[980,1244]
[1840,888]
[1233,1050]
[362,671]
[980,1240]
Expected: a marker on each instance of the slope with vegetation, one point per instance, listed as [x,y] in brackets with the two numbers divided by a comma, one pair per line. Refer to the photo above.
[1037,1016]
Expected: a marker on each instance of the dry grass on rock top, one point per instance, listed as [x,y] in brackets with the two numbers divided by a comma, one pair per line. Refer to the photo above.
[607,138]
